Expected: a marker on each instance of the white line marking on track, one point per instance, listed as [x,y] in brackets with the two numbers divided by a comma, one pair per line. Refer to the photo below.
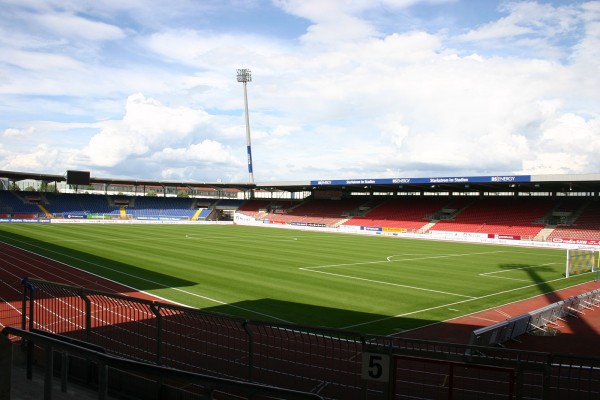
[485,319]
[150,281]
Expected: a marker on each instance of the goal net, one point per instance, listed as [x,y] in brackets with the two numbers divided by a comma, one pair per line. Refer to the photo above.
[581,260]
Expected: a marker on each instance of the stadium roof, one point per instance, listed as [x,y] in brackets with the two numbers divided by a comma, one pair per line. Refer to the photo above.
[495,183]
[21,176]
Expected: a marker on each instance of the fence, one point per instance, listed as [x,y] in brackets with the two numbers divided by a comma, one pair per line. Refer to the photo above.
[335,364]
[212,387]
[536,320]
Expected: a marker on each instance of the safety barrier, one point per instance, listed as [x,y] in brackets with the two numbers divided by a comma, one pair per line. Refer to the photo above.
[536,320]
[334,364]
[103,363]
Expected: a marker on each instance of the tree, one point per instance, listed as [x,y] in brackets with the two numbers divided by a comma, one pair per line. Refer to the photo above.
[183,194]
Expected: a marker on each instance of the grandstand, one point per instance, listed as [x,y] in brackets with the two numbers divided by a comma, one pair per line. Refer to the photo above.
[524,214]
[218,353]
[411,213]
[504,216]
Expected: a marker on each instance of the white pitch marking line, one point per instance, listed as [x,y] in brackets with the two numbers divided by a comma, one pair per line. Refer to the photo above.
[448,304]
[388,283]
[388,259]
[147,280]
[511,279]
[312,269]
[489,274]
[515,269]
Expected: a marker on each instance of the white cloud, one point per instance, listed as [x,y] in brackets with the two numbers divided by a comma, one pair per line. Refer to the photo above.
[40,158]
[13,132]
[526,17]
[152,130]
[72,26]
[207,151]
[341,99]
[39,61]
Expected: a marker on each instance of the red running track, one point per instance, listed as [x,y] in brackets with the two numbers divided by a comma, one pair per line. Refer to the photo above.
[16,264]
[575,335]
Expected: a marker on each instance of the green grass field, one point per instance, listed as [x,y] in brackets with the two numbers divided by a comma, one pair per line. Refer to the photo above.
[372,284]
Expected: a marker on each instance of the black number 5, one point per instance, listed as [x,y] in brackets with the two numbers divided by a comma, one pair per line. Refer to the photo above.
[375,367]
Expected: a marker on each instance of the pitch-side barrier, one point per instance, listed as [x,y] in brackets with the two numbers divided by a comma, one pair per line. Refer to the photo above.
[537,320]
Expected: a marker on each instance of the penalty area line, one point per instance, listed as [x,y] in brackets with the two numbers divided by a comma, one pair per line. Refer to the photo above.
[515,269]
[388,283]
[446,305]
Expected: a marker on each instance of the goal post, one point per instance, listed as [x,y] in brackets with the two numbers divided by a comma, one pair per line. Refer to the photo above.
[581,260]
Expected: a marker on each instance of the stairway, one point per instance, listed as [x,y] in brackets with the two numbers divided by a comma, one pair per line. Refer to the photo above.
[45,211]
[544,233]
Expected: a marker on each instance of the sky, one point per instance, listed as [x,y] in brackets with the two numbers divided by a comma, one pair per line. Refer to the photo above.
[341,89]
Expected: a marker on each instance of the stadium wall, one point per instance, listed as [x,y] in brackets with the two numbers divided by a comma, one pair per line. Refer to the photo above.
[241,219]
[470,237]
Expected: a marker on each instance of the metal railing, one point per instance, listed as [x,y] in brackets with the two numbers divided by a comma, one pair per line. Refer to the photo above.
[539,319]
[332,363]
[210,385]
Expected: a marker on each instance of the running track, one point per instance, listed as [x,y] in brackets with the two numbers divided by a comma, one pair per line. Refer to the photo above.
[578,335]
[16,264]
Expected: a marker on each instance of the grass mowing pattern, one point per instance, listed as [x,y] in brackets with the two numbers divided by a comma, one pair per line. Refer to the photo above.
[372,284]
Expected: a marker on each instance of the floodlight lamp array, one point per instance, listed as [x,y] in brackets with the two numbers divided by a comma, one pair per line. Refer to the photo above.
[244,75]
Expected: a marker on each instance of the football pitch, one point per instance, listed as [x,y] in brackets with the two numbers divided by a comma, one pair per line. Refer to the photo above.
[371,284]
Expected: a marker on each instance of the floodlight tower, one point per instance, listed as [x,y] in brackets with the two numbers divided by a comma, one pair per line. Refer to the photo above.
[244,76]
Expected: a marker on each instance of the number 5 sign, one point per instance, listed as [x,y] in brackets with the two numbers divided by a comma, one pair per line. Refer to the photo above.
[376,367]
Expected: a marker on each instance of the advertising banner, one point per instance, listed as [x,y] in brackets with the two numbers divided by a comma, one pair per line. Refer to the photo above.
[408,181]
[505,237]
[399,230]
[371,228]
[577,241]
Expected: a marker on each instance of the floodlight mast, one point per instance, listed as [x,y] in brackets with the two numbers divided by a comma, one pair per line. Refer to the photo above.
[245,76]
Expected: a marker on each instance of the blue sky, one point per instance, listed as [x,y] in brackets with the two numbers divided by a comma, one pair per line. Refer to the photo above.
[341,89]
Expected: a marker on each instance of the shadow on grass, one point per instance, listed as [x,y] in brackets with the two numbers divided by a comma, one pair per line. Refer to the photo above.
[286,312]
[126,274]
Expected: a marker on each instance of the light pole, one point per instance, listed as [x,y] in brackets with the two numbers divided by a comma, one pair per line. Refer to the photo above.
[244,76]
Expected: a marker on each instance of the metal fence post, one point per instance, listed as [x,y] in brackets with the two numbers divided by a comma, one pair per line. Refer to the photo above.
[48,372]
[519,378]
[156,311]
[31,304]
[64,371]
[546,393]
[250,351]
[102,380]
[88,314]
[6,366]
[160,382]
[25,283]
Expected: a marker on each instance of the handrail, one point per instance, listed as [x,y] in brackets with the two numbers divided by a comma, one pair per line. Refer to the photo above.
[108,361]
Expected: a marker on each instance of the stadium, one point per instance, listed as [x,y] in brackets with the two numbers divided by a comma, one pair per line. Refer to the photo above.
[441,287]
